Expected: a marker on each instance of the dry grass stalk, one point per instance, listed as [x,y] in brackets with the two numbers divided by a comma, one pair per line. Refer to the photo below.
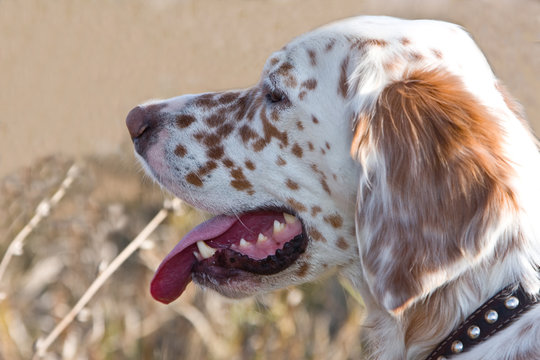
[43,344]
[42,211]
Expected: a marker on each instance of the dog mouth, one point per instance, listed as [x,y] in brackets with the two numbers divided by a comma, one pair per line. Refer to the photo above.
[225,248]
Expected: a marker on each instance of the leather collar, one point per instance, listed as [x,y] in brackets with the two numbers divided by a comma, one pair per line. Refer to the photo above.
[494,315]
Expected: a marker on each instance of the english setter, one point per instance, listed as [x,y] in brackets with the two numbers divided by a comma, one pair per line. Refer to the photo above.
[383,147]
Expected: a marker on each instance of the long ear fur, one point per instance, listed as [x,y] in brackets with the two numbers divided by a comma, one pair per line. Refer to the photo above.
[434,196]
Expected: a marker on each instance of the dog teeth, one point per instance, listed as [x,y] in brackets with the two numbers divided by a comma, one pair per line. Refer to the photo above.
[278,227]
[261,239]
[198,256]
[244,244]
[205,250]
[289,219]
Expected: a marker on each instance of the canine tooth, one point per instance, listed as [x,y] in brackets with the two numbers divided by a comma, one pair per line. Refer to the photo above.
[289,219]
[261,238]
[205,250]
[278,227]
[197,256]
[244,243]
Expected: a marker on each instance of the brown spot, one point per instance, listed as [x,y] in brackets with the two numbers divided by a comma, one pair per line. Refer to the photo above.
[323,151]
[280,161]
[334,176]
[213,120]
[297,150]
[316,236]
[247,133]
[291,184]
[302,95]
[270,131]
[275,115]
[228,162]
[250,165]
[325,186]
[312,57]
[376,42]
[296,205]
[259,145]
[274,61]
[215,152]
[299,125]
[255,106]
[437,53]
[302,271]
[327,145]
[180,150]
[285,68]
[415,56]
[343,87]
[314,119]
[335,220]
[228,97]
[206,101]
[330,45]
[309,84]
[211,140]
[310,146]
[341,243]
[404,41]
[240,182]
[183,121]
[315,210]
[199,136]
[290,81]
[207,168]
[225,130]
[194,179]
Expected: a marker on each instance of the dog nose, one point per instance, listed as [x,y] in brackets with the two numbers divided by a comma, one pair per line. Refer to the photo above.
[137,122]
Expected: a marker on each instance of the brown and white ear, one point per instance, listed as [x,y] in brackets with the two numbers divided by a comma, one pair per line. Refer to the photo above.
[434,189]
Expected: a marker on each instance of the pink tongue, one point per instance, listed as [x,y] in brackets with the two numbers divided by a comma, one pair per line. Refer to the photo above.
[174,272]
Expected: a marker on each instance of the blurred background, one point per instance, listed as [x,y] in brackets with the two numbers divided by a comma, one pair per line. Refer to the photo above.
[70,70]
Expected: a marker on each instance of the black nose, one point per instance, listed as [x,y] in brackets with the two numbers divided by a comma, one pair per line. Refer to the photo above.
[141,123]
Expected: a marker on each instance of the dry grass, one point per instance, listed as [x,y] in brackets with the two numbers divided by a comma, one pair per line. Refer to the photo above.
[88,229]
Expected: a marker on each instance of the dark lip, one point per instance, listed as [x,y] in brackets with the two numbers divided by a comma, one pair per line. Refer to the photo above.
[210,273]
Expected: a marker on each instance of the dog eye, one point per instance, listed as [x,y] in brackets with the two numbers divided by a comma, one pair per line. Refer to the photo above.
[275,96]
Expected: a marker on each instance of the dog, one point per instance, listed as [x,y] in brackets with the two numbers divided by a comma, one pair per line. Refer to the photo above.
[383,147]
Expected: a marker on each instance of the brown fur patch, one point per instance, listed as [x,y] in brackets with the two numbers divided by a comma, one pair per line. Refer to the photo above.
[180,150]
[184,120]
[341,243]
[249,165]
[291,184]
[303,270]
[285,68]
[296,205]
[316,236]
[299,125]
[314,119]
[214,120]
[343,87]
[309,84]
[310,146]
[437,53]
[297,150]
[239,181]
[312,57]
[207,168]
[194,179]
[443,162]
[335,220]
[315,210]
[330,45]
[302,95]
[228,163]
[404,41]
[280,161]
[215,152]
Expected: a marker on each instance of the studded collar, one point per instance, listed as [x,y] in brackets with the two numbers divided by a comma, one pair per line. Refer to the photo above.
[494,315]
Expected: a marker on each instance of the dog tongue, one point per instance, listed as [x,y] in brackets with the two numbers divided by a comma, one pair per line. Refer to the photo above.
[174,272]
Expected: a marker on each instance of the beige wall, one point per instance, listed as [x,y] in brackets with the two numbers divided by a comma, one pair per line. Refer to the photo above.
[70,70]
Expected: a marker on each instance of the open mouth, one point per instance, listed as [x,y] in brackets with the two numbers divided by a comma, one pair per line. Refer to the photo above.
[225,247]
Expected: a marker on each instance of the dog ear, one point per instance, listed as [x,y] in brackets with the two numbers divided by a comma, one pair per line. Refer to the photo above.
[434,188]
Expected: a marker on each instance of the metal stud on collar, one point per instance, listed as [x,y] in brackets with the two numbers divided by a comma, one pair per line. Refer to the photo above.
[491,316]
[473,332]
[511,303]
[457,347]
